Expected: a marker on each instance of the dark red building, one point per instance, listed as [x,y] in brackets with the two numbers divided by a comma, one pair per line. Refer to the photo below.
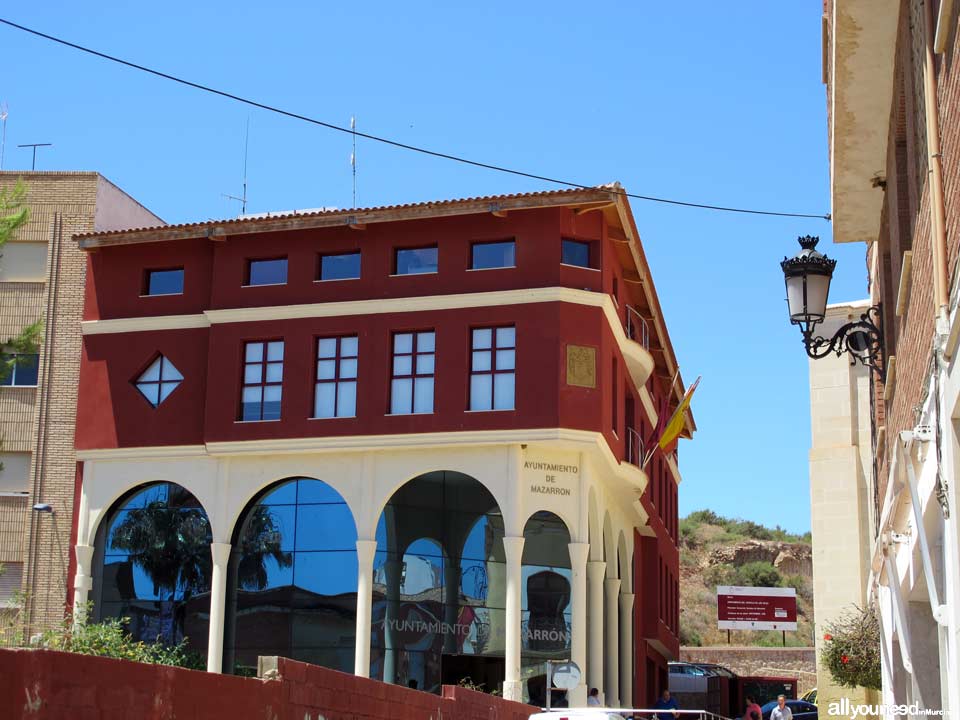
[402,441]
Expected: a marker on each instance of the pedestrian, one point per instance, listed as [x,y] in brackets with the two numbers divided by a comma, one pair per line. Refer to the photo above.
[781,711]
[593,699]
[668,703]
[753,711]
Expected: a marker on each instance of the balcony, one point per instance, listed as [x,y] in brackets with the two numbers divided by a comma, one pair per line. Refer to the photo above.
[634,448]
[636,348]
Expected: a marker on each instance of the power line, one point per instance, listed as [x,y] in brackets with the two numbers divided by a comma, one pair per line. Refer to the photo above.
[394,143]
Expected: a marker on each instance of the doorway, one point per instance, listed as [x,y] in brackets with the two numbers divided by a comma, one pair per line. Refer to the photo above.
[485,673]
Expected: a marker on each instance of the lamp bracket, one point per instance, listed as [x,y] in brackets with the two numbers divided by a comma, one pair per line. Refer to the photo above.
[862,339]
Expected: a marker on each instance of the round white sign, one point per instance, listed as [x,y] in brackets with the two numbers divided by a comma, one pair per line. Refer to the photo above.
[566,676]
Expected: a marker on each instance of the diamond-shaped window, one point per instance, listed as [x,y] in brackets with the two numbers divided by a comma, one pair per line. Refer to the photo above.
[159,380]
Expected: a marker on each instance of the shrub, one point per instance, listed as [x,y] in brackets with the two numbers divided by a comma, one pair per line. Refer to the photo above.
[851,650]
[758,574]
[689,636]
[110,638]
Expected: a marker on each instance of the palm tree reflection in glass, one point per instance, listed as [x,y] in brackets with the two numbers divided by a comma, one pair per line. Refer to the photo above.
[169,539]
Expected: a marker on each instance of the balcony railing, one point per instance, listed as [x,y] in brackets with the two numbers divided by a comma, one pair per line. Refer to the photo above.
[634,447]
[636,328]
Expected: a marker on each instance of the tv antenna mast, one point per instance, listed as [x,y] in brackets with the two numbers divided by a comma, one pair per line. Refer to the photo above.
[243,199]
[33,166]
[3,141]
[353,156]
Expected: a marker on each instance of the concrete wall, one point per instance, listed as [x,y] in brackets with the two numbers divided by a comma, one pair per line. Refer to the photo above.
[39,684]
[840,499]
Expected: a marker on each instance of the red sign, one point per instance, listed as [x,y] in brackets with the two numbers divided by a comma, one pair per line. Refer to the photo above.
[755,608]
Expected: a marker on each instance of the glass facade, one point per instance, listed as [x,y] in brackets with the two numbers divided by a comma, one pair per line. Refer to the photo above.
[153,565]
[292,580]
[545,602]
[439,585]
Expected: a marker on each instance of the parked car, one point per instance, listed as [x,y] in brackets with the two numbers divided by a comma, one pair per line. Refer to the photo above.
[810,696]
[801,709]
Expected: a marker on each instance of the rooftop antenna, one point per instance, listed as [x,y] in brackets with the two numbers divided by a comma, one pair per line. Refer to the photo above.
[246,146]
[353,156]
[34,146]
[3,141]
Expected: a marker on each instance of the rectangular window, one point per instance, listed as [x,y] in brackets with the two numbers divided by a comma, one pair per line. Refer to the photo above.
[19,369]
[493,368]
[411,387]
[341,266]
[488,255]
[415,261]
[335,394]
[576,252]
[266,272]
[262,380]
[163,282]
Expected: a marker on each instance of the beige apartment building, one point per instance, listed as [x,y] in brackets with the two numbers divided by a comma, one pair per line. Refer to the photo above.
[893,101]
[42,277]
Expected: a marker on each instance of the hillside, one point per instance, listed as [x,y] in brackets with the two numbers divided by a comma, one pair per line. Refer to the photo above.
[715,550]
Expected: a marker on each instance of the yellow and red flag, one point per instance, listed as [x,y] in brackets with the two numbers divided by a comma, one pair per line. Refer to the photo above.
[671,432]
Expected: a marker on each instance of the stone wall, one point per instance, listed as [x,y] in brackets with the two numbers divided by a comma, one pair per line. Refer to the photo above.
[798,662]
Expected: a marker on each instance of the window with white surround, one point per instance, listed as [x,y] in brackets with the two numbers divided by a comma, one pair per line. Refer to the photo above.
[493,368]
[262,380]
[159,380]
[411,388]
[335,394]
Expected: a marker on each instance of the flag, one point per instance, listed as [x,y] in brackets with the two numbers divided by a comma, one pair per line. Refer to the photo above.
[675,426]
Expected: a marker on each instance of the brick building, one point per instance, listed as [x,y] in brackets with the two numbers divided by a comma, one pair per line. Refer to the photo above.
[42,277]
[402,442]
[893,93]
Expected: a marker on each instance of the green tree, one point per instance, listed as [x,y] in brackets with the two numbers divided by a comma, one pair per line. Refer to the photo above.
[13,214]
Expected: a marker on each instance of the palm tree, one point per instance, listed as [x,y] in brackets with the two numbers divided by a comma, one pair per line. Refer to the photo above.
[260,538]
[170,544]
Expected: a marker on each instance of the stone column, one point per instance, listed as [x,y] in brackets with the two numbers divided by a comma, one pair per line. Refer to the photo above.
[82,582]
[392,569]
[579,552]
[612,659]
[626,650]
[365,552]
[513,550]
[596,574]
[218,597]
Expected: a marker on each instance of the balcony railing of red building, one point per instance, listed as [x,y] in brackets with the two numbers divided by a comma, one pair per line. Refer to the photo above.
[634,447]
[636,328]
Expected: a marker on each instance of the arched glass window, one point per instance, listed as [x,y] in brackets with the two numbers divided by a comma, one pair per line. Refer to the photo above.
[292,581]
[153,566]
[545,601]
[439,585]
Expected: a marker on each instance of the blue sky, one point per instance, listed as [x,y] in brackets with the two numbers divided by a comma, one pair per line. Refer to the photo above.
[710,102]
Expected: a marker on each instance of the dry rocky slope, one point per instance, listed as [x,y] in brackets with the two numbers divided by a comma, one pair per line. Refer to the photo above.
[715,551]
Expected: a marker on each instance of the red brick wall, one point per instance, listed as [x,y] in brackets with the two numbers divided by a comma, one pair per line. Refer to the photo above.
[40,684]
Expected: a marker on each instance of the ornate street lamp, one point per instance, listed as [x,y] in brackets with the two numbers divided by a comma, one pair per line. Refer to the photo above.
[808,277]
